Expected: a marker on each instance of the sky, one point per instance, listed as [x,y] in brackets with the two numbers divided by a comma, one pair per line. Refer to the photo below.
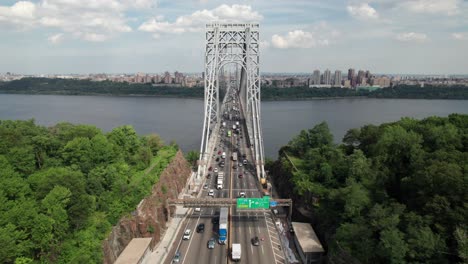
[152,36]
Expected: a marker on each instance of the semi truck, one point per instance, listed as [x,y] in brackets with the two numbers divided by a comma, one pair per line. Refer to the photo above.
[236,252]
[220,180]
[223,225]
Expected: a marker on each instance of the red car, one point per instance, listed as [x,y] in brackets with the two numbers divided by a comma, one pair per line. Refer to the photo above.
[240,175]
[219,152]
[210,168]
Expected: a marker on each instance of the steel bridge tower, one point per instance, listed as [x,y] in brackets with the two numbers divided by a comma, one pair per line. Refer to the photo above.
[232,44]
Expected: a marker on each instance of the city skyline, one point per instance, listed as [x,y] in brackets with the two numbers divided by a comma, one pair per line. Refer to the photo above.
[118,36]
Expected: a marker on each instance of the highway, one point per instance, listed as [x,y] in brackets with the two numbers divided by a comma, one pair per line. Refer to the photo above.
[243,225]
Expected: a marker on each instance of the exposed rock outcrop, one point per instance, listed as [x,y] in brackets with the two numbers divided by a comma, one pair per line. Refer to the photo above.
[149,220]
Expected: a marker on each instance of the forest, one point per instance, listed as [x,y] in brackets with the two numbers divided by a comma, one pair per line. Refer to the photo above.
[87,87]
[63,187]
[393,193]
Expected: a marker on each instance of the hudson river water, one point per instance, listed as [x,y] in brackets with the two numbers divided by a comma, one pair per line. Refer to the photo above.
[181,119]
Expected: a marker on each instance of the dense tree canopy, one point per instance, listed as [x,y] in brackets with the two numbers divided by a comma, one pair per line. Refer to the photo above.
[63,187]
[394,193]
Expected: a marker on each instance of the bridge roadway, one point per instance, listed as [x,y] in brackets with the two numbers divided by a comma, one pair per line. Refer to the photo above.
[243,225]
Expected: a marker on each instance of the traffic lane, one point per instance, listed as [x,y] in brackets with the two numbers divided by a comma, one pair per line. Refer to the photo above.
[183,245]
[199,252]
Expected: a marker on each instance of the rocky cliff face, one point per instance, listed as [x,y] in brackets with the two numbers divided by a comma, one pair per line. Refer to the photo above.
[149,220]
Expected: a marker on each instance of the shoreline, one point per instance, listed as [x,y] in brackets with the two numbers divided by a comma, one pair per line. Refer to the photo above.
[201,98]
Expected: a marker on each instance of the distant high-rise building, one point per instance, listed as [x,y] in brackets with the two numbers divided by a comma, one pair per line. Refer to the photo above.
[178,78]
[316,77]
[360,76]
[351,73]
[337,80]
[148,79]
[157,78]
[368,75]
[327,77]
[167,78]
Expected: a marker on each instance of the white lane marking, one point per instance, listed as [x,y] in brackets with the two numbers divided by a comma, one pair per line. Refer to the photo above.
[191,238]
[178,246]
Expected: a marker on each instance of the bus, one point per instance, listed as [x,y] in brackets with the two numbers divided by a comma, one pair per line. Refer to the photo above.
[223,225]
[229,133]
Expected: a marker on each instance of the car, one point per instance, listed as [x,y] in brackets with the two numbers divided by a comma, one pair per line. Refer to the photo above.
[201,228]
[208,176]
[210,168]
[219,152]
[176,258]
[215,220]
[211,192]
[241,175]
[255,241]
[234,167]
[187,234]
[242,194]
[211,243]
[245,162]
[198,209]
[205,186]
[240,164]
[244,156]
[217,159]
[221,164]
[216,170]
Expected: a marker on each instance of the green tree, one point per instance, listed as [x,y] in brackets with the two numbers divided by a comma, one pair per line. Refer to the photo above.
[155,142]
[22,159]
[192,157]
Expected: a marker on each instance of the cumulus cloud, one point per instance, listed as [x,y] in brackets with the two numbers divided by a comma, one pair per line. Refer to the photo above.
[55,39]
[320,34]
[197,20]
[460,35]
[89,20]
[438,7]
[20,14]
[412,37]
[362,12]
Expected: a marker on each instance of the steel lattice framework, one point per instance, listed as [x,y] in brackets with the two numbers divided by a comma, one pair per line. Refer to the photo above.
[227,44]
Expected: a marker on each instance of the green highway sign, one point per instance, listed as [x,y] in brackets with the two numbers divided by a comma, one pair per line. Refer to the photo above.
[253,203]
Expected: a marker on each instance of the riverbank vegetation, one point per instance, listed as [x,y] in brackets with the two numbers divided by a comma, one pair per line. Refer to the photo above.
[87,87]
[394,193]
[63,187]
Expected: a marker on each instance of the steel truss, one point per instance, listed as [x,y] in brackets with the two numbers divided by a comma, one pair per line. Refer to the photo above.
[227,44]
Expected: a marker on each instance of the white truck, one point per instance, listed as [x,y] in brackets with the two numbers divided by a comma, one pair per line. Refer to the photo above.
[236,252]
[220,180]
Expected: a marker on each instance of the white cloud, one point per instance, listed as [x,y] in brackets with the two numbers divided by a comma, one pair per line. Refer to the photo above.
[55,39]
[297,39]
[362,12]
[412,37]
[320,34]
[21,14]
[438,7]
[197,20]
[460,35]
[89,20]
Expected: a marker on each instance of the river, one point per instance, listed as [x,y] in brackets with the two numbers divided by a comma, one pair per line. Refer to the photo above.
[181,119]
